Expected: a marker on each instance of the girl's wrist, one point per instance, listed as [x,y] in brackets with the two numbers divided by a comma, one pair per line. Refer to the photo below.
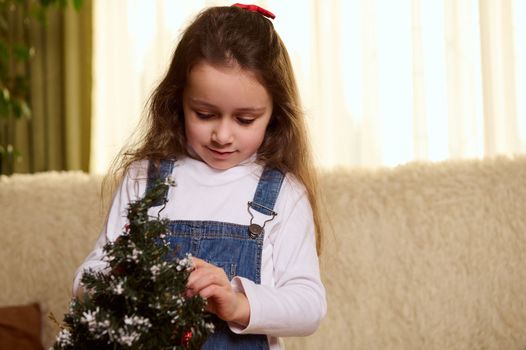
[241,314]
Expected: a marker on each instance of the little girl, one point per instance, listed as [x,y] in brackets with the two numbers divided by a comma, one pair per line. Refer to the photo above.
[226,124]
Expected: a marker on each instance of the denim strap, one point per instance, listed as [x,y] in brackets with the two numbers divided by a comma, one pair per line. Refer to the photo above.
[267,191]
[154,174]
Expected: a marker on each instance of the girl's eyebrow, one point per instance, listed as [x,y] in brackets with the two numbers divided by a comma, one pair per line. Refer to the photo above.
[201,103]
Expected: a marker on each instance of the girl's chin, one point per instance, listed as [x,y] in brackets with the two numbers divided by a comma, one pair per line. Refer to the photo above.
[223,163]
[220,165]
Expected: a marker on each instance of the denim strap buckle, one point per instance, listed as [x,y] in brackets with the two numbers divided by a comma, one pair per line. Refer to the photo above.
[254,229]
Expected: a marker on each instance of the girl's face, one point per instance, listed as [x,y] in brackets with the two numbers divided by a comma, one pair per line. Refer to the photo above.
[226,113]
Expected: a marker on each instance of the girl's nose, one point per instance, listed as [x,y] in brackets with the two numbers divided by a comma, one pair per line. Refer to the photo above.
[222,133]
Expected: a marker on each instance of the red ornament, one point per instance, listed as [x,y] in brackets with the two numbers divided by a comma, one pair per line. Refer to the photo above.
[119,270]
[187,336]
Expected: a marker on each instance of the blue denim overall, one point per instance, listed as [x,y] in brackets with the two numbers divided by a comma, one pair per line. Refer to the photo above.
[227,245]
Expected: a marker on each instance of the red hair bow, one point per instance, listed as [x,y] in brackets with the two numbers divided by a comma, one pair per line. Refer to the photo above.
[256,8]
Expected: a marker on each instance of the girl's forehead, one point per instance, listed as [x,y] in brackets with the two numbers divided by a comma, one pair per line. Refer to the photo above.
[221,84]
[229,65]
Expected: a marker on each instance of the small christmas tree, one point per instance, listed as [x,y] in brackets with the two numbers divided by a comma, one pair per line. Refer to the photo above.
[139,301]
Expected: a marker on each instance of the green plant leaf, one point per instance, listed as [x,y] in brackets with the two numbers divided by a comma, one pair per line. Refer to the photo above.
[77,4]
[17,110]
[26,111]
[12,152]
[17,155]
[21,85]
[4,103]
[4,52]
[5,94]
[46,3]
[4,109]
[39,13]
[21,109]
[21,52]
[3,24]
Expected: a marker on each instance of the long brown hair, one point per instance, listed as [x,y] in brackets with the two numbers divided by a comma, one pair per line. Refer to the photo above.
[222,36]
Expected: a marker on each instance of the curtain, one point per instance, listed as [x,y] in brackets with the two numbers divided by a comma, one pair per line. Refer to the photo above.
[57,134]
[78,53]
[383,82]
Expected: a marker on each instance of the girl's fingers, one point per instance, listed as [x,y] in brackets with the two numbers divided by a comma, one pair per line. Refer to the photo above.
[208,291]
[204,275]
[211,283]
[199,279]
[196,262]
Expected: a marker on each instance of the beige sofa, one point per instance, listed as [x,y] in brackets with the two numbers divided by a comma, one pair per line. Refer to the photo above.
[422,256]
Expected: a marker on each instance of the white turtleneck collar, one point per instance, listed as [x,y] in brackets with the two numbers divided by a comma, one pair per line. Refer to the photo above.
[206,175]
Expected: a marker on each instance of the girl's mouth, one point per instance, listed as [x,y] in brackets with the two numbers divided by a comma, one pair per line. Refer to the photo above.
[221,154]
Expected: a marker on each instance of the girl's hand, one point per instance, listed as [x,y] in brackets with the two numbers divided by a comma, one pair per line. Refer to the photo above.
[211,282]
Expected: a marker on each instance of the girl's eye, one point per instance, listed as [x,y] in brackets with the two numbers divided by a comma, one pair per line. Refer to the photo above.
[204,116]
[245,121]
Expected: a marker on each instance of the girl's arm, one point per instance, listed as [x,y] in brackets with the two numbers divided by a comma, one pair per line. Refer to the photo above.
[296,304]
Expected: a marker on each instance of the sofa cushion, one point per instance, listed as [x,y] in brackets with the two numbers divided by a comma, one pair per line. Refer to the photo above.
[20,327]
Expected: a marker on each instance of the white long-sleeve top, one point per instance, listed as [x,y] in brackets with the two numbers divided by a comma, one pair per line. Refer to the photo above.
[290,301]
